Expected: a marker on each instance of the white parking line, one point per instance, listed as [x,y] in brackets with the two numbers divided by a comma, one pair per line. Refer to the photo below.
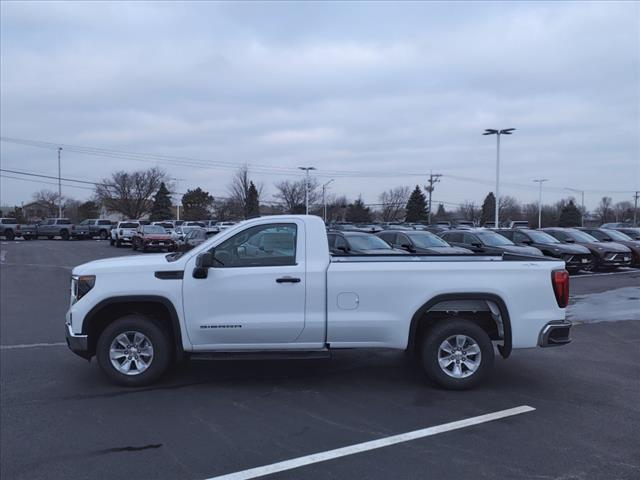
[372,445]
[3,255]
[32,345]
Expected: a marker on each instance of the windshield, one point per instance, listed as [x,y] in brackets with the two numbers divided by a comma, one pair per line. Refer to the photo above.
[615,235]
[493,239]
[153,229]
[426,240]
[367,242]
[541,237]
[64,221]
[104,222]
[579,236]
[129,225]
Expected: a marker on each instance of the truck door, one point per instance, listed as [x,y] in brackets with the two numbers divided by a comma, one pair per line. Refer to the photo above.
[255,292]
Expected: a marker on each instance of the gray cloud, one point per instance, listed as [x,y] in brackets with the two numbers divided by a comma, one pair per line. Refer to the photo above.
[377,87]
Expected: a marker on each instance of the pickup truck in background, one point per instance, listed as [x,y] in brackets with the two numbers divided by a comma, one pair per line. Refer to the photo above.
[268,287]
[94,227]
[54,227]
[10,229]
[123,232]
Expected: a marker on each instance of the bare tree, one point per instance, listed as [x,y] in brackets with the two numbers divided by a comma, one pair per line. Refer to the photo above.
[393,203]
[623,211]
[48,201]
[130,193]
[291,194]
[604,210]
[469,211]
[509,208]
[239,191]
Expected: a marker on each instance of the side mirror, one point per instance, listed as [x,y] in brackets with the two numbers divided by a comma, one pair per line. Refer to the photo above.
[343,249]
[204,261]
[527,242]
[569,240]
[607,239]
[476,244]
[407,247]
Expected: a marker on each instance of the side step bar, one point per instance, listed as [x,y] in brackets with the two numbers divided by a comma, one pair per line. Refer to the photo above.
[263,355]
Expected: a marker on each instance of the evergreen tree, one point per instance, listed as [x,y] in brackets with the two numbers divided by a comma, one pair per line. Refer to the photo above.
[488,209]
[358,212]
[161,208]
[253,206]
[570,216]
[196,204]
[441,214]
[416,206]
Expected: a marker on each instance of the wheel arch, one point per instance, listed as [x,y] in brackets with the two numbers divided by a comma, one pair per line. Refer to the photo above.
[110,309]
[419,317]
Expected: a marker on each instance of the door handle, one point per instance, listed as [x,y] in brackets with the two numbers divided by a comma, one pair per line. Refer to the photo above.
[288,280]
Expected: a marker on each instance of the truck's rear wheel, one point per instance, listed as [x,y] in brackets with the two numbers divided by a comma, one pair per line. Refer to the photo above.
[457,354]
[133,351]
[103,235]
[64,234]
[10,235]
[112,242]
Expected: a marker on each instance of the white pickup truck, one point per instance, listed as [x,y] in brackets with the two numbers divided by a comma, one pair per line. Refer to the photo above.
[268,287]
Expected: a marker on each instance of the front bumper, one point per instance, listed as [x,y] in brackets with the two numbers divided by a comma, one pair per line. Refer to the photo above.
[555,334]
[78,344]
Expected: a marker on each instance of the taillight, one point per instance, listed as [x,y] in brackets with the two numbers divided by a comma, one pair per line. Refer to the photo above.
[560,282]
[17,227]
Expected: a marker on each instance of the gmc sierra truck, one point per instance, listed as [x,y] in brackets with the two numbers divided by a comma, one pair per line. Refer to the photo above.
[94,227]
[268,287]
[10,229]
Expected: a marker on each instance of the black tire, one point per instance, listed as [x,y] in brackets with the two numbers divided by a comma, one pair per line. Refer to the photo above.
[27,237]
[10,235]
[144,248]
[103,235]
[118,243]
[64,234]
[430,353]
[134,245]
[50,237]
[158,337]
[112,242]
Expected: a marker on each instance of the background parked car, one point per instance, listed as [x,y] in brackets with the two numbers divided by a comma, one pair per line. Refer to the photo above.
[179,233]
[576,257]
[486,242]
[633,232]
[148,237]
[224,225]
[167,225]
[53,227]
[605,235]
[519,224]
[94,227]
[359,243]
[616,225]
[420,242]
[10,229]
[123,232]
[211,226]
[609,255]
[194,238]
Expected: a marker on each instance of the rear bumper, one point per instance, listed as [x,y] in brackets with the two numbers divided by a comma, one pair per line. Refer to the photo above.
[555,334]
[78,344]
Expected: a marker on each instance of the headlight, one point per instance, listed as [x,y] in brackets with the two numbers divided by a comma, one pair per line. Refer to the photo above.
[81,285]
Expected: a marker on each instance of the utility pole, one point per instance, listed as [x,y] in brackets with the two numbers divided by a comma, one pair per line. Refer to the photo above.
[59,185]
[498,133]
[540,181]
[433,179]
[306,188]
[635,208]
[324,200]
[582,211]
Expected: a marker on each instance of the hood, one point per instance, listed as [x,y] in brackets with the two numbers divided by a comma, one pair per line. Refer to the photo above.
[571,248]
[602,247]
[521,249]
[139,262]
[444,250]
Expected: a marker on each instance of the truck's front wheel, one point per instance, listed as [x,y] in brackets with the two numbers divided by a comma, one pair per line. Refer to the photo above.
[134,351]
[457,354]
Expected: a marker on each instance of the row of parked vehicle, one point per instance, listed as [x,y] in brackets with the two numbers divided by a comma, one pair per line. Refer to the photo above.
[580,248]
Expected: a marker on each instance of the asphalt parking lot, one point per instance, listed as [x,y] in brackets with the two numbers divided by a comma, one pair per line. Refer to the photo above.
[60,418]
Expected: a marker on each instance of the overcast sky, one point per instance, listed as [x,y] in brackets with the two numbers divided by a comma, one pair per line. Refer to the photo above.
[379,90]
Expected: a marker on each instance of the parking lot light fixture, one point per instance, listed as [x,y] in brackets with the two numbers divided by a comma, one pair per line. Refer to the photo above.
[306,188]
[324,200]
[497,133]
[59,185]
[540,181]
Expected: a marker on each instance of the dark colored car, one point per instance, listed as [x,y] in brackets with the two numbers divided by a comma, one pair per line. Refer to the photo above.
[486,242]
[368,227]
[420,242]
[609,255]
[633,232]
[576,257]
[606,235]
[359,243]
[149,237]
[194,238]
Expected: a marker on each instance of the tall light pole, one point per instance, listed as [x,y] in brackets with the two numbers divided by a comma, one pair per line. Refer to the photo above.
[306,188]
[497,133]
[59,185]
[433,179]
[324,200]
[540,181]
[581,192]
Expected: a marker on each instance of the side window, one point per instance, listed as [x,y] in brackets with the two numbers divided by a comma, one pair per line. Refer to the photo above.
[559,235]
[451,237]
[469,239]
[275,246]
[403,239]
[340,242]
[332,240]
[511,235]
[520,237]
[390,238]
